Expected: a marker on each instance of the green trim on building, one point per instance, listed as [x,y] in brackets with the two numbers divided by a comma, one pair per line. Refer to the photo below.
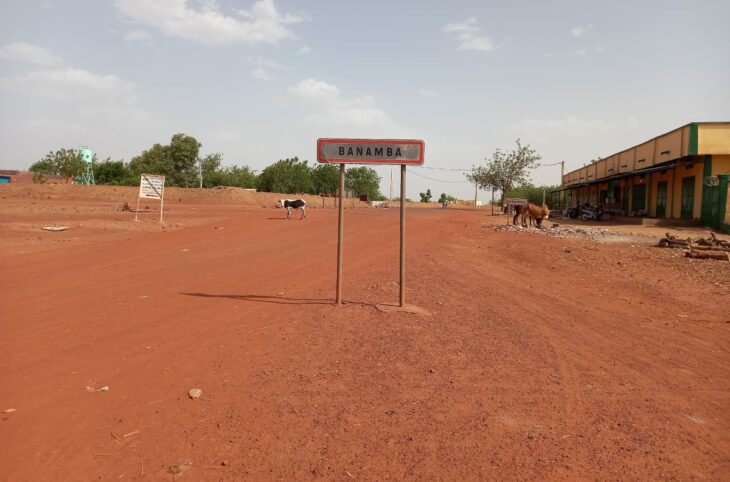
[708,166]
[693,142]
[722,202]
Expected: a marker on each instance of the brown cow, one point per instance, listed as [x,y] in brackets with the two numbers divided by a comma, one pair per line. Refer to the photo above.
[538,213]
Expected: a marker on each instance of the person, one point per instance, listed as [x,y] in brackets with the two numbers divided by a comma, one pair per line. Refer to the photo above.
[445,203]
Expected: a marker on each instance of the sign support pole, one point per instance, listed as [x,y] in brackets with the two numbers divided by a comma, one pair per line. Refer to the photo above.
[402,235]
[162,204]
[340,234]
[136,210]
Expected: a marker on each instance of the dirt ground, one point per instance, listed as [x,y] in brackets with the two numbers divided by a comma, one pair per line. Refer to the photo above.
[542,357]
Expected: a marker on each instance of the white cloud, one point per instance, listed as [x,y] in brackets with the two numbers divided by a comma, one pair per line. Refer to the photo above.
[469,36]
[426,92]
[580,30]
[138,36]
[263,68]
[304,50]
[332,109]
[260,73]
[208,25]
[87,92]
[29,53]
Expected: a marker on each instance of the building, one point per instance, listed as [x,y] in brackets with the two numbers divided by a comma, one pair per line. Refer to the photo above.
[682,174]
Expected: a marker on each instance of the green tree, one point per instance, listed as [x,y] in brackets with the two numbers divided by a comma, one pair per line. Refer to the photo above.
[114,173]
[156,160]
[183,151]
[209,166]
[287,176]
[445,197]
[64,162]
[364,180]
[234,176]
[326,178]
[425,196]
[176,161]
[505,169]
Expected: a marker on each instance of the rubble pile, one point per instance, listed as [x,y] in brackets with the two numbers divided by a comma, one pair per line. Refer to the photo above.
[573,232]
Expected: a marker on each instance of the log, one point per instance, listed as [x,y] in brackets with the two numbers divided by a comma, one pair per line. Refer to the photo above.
[708,255]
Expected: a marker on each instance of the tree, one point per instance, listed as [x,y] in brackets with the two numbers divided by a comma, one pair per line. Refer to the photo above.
[231,176]
[176,161]
[505,170]
[364,180]
[114,172]
[326,178]
[64,162]
[287,176]
[156,160]
[532,193]
[425,197]
[183,151]
[210,166]
[445,197]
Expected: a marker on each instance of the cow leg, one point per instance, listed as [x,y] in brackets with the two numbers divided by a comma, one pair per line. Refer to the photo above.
[514,219]
[304,213]
[288,213]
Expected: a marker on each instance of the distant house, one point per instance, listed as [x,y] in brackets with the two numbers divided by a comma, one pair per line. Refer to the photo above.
[26,177]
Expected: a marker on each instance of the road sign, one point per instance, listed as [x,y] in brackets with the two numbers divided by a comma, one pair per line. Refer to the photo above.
[370,151]
[151,187]
[514,201]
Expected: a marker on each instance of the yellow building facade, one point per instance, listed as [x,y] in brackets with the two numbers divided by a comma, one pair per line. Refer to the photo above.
[682,174]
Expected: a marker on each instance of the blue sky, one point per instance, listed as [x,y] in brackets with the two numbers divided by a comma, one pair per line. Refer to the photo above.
[261,81]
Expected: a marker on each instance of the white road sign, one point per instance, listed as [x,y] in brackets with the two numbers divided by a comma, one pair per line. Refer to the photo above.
[151,187]
[513,201]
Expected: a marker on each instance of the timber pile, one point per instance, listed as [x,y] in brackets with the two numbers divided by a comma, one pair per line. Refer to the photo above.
[704,248]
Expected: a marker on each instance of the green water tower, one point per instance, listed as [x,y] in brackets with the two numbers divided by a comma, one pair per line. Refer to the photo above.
[87,175]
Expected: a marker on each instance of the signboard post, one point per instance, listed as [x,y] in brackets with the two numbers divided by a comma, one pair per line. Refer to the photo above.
[511,201]
[372,151]
[151,187]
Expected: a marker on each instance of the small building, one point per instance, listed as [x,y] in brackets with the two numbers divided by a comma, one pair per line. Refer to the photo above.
[682,174]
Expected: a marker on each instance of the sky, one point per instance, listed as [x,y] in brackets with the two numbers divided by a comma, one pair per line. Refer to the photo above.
[260,81]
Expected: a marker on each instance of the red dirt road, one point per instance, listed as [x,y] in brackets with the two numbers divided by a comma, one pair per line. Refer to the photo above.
[543,358]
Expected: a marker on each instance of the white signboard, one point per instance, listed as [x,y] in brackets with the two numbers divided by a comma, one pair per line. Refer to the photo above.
[513,201]
[151,187]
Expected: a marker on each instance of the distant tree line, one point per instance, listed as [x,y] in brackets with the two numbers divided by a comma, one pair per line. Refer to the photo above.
[181,163]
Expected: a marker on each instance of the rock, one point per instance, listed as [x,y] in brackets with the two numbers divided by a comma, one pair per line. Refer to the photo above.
[195,393]
[224,463]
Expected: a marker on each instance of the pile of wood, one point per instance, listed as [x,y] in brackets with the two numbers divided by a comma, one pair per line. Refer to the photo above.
[705,248]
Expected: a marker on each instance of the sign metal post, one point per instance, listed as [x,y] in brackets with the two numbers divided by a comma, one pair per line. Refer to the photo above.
[372,152]
[340,234]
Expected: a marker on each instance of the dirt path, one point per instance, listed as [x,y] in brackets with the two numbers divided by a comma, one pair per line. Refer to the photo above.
[543,357]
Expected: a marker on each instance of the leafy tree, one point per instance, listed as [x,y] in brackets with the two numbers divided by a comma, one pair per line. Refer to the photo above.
[425,197]
[445,197]
[65,162]
[231,176]
[114,173]
[326,178]
[156,160]
[287,176]
[209,166]
[364,180]
[183,152]
[505,169]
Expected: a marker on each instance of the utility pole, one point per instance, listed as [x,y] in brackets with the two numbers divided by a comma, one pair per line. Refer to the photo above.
[492,201]
[200,174]
[476,191]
